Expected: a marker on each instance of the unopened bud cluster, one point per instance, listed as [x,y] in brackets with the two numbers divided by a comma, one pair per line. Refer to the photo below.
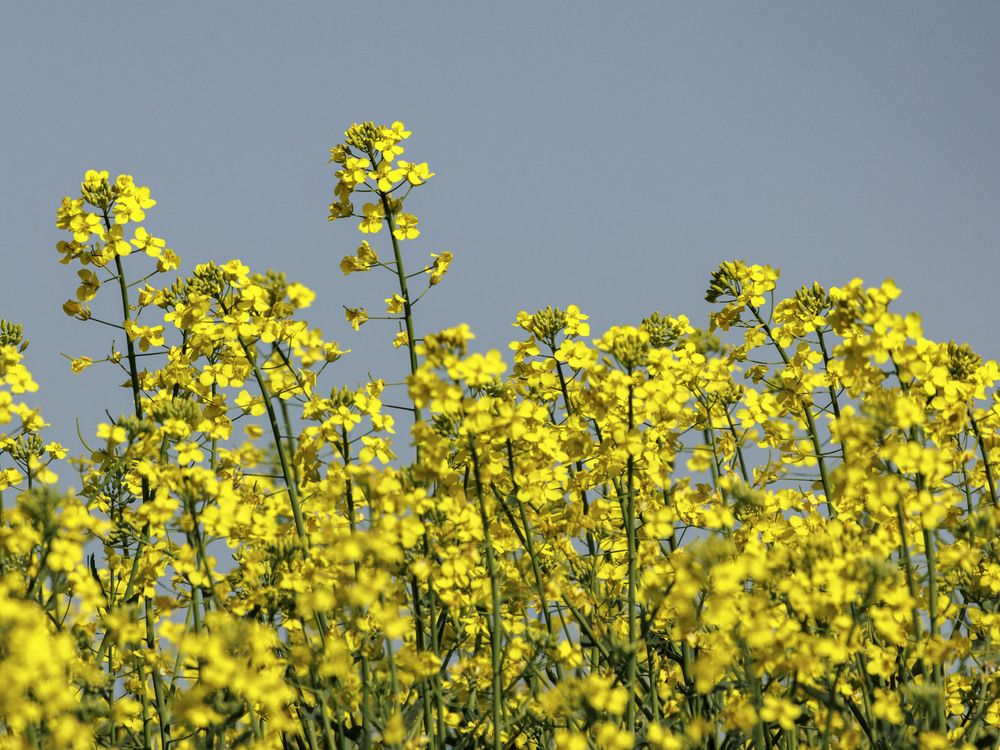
[812,300]
[11,334]
[962,361]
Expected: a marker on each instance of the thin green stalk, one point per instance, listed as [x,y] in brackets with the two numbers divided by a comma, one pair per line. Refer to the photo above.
[112,725]
[411,342]
[161,707]
[568,406]
[654,678]
[990,482]
[286,470]
[861,666]
[289,439]
[495,629]
[179,659]
[632,665]
[866,694]
[807,412]
[591,542]
[739,448]
[33,736]
[321,620]
[307,728]
[759,742]
[588,630]
[904,549]
[137,404]
[133,368]
[440,732]
[930,552]
[834,401]
[143,536]
[411,346]
[393,672]
[366,717]
[527,539]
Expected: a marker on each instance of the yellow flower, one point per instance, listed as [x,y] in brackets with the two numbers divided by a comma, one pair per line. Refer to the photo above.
[41,471]
[356,316]
[374,216]
[440,266]
[395,304]
[149,244]
[89,284]
[146,336]
[167,261]
[406,227]
[93,180]
[781,710]
[300,296]
[338,154]
[416,174]
[376,448]
[395,730]
[127,210]
[9,478]
[83,225]
[188,452]
[114,434]
[81,363]
[114,243]
[366,254]
[386,176]
[253,405]
[350,264]
[355,171]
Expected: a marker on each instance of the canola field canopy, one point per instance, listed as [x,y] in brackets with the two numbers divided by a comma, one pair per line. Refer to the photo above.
[776,532]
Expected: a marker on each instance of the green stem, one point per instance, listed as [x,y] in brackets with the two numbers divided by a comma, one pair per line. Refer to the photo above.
[527,539]
[632,572]
[930,552]
[592,583]
[759,742]
[137,404]
[807,412]
[411,346]
[289,439]
[393,673]
[834,401]
[411,343]
[366,716]
[904,549]
[495,629]
[133,367]
[737,442]
[286,470]
[990,482]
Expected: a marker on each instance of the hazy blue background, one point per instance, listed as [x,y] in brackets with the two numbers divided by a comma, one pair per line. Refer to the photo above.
[608,155]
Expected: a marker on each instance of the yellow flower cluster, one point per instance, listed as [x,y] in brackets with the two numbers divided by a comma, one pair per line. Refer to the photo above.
[649,538]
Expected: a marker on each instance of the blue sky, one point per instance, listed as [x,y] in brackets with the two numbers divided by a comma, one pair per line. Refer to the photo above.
[608,155]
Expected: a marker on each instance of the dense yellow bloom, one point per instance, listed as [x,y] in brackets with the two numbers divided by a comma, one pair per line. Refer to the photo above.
[657,535]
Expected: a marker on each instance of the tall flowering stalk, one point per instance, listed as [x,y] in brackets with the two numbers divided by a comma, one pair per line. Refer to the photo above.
[370,165]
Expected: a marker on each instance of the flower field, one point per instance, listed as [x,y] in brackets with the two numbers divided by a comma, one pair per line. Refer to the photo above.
[777,532]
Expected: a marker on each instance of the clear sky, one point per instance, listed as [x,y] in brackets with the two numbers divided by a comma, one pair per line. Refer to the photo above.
[602,154]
